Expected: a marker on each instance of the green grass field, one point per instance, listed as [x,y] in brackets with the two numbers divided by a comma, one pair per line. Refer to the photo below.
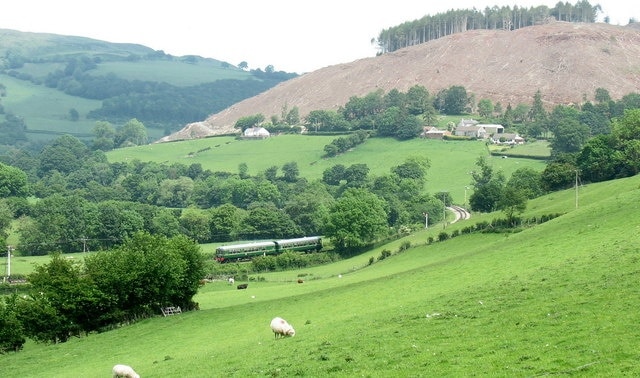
[451,161]
[52,111]
[176,73]
[558,299]
[539,149]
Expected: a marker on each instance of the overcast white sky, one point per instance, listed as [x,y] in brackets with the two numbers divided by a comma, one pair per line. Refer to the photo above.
[292,35]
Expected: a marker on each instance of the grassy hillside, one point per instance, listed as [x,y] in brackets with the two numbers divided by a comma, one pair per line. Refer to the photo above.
[46,110]
[176,72]
[38,71]
[451,161]
[557,299]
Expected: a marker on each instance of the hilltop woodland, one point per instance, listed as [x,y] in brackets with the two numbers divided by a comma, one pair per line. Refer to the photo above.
[439,25]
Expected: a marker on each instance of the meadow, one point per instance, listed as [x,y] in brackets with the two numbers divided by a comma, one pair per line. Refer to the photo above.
[538,149]
[451,161]
[46,111]
[175,72]
[560,298]
[52,111]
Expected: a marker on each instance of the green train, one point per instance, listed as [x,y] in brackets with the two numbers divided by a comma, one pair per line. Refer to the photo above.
[240,252]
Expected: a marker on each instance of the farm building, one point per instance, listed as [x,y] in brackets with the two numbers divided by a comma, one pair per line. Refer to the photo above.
[432,132]
[471,131]
[256,133]
[507,138]
[492,129]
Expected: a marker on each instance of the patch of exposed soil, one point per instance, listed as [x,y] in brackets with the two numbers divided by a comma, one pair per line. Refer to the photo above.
[565,61]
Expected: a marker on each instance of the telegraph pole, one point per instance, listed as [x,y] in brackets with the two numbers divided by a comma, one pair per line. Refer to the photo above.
[9,249]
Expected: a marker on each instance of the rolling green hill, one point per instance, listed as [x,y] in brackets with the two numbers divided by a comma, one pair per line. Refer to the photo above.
[43,77]
[451,161]
[557,299]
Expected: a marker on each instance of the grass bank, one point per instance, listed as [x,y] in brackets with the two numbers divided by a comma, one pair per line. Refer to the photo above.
[560,298]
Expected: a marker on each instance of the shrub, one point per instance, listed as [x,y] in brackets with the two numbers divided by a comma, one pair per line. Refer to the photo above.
[443,236]
[404,246]
[264,264]
[384,254]
[12,336]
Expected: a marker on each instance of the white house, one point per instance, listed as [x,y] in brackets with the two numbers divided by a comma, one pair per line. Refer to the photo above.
[474,129]
[471,131]
[256,132]
[507,138]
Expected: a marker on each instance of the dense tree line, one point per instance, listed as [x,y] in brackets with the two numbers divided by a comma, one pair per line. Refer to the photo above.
[456,21]
[393,114]
[343,144]
[133,281]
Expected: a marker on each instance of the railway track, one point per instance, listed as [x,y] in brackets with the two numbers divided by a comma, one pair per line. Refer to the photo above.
[460,213]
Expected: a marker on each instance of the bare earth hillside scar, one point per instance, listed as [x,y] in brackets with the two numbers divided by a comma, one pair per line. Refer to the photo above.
[565,61]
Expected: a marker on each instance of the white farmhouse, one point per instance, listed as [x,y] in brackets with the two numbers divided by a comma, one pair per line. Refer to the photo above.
[256,133]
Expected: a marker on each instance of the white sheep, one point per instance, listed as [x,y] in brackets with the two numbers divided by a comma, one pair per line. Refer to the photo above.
[124,371]
[231,281]
[281,328]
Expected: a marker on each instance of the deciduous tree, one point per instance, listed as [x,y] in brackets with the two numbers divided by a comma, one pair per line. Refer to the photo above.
[356,219]
[487,187]
[132,133]
[13,182]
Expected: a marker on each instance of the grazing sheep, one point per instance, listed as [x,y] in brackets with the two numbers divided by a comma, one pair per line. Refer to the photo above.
[231,281]
[300,280]
[242,286]
[124,371]
[281,328]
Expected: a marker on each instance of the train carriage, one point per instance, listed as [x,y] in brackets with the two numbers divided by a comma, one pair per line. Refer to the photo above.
[246,251]
[306,244]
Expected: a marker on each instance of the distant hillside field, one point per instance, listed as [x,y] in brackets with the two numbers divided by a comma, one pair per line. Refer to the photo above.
[46,110]
[179,73]
[451,161]
[45,76]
